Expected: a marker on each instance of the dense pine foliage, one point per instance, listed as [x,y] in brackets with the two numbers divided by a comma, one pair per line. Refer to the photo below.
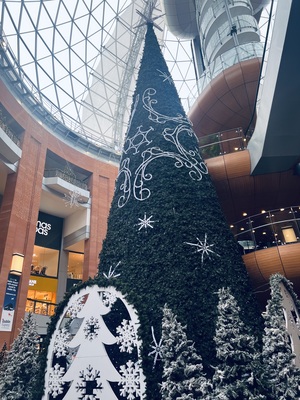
[183,376]
[238,361]
[19,372]
[281,376]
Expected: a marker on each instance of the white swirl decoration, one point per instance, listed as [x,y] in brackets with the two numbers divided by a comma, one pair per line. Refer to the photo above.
[183,158]
[125,186]
[155,116]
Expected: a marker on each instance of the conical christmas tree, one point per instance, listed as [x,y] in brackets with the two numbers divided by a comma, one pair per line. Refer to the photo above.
[166,231]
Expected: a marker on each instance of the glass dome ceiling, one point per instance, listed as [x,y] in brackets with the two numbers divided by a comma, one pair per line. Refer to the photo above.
[79,60]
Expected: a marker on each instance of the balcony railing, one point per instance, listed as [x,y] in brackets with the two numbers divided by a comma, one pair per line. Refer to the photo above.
[221,143]
[269,228]
[233,56]
[52,173]
[10,133]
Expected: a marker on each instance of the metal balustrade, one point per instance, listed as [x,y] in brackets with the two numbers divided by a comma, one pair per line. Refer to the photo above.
[223,142]
[268,229]
[52,173]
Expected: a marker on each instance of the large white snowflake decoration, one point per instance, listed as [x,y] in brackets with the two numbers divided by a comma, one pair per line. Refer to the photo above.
[55,383]
[72,199]
[130,380]
[157,347]
[90,386]
[61,342]
[203,247]
[146,222]
[166,77]
[76,307]
[137,140]
[126,336]
[91,328]
[111,272]
[108,298]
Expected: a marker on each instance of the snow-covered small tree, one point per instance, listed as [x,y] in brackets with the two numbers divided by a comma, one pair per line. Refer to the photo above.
[3,356]
[18,378]
[183,376]
[281,375]
[235,375]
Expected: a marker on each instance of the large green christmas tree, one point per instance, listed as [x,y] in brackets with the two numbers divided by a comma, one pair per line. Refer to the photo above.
[167,239]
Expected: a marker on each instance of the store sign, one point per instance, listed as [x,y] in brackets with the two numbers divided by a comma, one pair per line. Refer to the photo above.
[42,228]
[48,231]
[9,304]
[43,284]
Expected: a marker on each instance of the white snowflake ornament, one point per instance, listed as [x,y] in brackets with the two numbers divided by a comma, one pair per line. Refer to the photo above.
[61,343]
[203,248]
[55,384]
[108,298]
[75,307]
[111,272]
[90,385]
[157,347]
[146,222]
[126,336]
[91,328]
[130,380]
[72,199]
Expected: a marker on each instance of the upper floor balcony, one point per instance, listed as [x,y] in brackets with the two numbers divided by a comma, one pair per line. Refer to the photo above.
[64,182]
[10,144]
[270,243]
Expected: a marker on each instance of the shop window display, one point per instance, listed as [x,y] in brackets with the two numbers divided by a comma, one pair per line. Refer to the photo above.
[41,296]
[44,262]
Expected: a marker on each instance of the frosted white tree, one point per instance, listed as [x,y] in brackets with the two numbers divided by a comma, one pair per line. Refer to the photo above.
[3,356]
[91,369]
[235,376]
[17,380]
[94,350]
[182,367]
[281,375]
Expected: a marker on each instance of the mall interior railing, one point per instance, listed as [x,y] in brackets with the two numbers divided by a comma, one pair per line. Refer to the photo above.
[224,142]
[9,132]
[269,228]
[50,173]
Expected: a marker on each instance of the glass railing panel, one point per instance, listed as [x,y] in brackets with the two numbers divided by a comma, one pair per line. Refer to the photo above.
[269,228]
[221,143]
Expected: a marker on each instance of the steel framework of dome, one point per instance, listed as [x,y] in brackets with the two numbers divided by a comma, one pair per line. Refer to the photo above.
[74,63]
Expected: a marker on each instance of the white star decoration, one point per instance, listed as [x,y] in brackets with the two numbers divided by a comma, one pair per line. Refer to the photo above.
[72,199]
[156,348]
[111,272]
[165,76]
[145,222]
[203,248]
